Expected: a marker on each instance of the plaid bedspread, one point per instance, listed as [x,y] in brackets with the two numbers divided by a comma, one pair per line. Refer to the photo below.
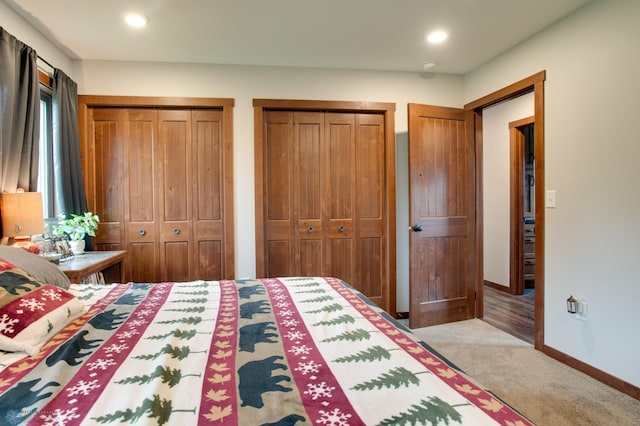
[289,351]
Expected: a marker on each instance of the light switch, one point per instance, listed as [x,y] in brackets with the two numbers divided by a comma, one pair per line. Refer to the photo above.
[551,199]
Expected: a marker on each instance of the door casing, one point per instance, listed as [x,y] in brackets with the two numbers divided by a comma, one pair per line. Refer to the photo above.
[533,83]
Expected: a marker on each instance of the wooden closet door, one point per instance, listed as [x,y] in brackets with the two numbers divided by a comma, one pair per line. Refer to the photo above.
[310,195]
[159,173]
[295,193]
[174,179]
[106,151]
[142,162]
[208,165]
[324,203]
[355,247]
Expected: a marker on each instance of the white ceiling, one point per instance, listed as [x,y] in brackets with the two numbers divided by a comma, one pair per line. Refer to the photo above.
[352,34]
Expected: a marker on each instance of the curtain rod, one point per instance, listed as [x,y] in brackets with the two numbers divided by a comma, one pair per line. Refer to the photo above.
[46,62]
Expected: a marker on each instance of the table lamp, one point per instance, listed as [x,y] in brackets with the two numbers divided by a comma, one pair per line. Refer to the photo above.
[22,217]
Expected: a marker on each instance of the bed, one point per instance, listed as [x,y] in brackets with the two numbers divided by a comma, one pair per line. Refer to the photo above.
[287,351]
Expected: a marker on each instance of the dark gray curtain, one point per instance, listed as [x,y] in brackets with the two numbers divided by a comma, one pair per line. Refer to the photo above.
[71,197]
[20,115]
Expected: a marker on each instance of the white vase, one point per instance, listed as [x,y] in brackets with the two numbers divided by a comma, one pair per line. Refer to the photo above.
[77,246]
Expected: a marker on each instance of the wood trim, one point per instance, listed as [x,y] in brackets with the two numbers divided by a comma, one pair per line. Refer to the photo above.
[513,90]
[87,102]
[533,83]
[154,101]
[45,79]
[516,227]
[497,286]
[305,105]
[589,370]
[516,147]
[388,109]
[258,134]
[538,153]
[477,114]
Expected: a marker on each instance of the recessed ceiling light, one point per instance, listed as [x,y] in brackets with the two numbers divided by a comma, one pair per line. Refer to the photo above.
[136,20]
[428,65]
[437,37]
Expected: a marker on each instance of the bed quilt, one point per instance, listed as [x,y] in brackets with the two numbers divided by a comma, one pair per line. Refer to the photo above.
[288,351]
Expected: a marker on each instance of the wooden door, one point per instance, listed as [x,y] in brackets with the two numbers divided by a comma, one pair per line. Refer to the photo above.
[141,164]
[160,177]
[209,155]
[324,200]
[107,151]
[442,215]
[355,209]
[175,194]
[294,193]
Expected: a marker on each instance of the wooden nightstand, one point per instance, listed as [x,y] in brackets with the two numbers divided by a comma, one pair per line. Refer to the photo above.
[107,262]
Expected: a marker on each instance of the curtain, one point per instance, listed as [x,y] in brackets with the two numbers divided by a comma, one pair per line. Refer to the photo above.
[20,115]
[70,193]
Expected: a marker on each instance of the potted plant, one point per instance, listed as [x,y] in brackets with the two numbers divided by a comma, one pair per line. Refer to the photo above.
[77,227]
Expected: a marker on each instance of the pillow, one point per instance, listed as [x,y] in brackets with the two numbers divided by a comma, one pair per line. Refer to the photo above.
[31,312]
[38,267]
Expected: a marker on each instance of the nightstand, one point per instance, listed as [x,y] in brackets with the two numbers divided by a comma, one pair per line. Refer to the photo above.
[83,265]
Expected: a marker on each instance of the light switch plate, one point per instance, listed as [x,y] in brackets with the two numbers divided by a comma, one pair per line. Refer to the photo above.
[551,199]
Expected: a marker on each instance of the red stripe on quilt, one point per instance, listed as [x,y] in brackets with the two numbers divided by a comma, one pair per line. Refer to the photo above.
[75,400]
[11,375]
[482,399]
[218,403]
[320,392]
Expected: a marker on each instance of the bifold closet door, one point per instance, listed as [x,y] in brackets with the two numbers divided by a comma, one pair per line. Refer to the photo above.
[355,234]
[190,194]
[294,193]
[324,197]
[156,178]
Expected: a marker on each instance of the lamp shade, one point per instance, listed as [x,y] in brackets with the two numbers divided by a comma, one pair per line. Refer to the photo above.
[21,214]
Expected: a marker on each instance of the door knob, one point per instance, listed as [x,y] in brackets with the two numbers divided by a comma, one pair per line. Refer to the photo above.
[417,228]
[176,231]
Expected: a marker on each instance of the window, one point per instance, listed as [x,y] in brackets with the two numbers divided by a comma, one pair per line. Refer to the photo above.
[46,184]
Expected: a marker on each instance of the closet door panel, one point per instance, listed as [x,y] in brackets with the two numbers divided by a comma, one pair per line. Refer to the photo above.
[107,166]
[176,266]
[175,195]
[370,202]
[339,212]
[309,193]
[278,194]
[279,258]
[141,156]
[208,197]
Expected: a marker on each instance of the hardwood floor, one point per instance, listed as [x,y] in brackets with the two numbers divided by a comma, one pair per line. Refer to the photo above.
[510,313]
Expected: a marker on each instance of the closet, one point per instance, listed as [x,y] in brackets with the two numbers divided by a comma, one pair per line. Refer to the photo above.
[159,177]
[324,187]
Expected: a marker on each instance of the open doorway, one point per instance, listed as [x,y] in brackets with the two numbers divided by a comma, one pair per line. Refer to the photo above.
[535,85]
[509,215]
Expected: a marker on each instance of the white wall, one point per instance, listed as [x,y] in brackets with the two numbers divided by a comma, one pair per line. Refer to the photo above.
[20,29]
[496,183]
[592,245]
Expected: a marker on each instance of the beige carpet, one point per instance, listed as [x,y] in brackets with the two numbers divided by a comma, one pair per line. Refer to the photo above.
[544,390]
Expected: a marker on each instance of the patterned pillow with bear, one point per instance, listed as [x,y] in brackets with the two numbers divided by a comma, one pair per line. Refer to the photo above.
[31,312]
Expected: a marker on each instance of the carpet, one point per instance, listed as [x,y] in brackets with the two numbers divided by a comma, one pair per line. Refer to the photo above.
[543,389]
